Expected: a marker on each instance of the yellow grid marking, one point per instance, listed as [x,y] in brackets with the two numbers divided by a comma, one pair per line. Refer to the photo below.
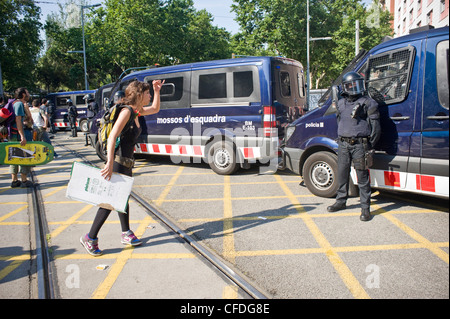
[344,272]
[414,235]
[14,212]
[103,289]
[133,256]
[228,241]
[228,235]
[230,292]
[70,221]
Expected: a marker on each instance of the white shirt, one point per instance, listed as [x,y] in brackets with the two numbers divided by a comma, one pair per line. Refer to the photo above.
[37,117]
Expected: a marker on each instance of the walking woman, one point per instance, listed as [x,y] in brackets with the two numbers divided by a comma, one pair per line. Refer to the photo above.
[121,159]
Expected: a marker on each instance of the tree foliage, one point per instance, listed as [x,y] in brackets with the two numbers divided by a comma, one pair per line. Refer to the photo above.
[278,27]
[19,43]
[131,33]
[122,34]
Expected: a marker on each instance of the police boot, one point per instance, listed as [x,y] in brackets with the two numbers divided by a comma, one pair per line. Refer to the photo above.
[336,207]
[365,215]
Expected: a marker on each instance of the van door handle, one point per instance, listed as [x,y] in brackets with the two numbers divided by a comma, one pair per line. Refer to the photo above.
[438,117]
[400,118]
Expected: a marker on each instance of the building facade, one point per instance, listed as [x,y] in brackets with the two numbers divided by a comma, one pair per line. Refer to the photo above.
[411,14]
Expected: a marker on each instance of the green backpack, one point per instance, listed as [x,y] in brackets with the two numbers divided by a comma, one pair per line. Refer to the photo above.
[107,122]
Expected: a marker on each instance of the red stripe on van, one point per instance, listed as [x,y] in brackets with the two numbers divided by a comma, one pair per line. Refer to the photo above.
[392,179]
[248,152]
[169,149]
[144,148]
[183,150]
[155,148]
[197,150]
[426,183]
[269,119]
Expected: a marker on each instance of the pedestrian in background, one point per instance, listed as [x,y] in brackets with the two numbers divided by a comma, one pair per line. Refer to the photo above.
[19,133]
[121,160]
[41,123]
[39,120]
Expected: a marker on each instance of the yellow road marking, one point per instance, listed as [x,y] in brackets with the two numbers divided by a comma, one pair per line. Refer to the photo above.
[133,256]
[70,221]
[18,210]
[228,235]
[14,203]
[344,272]
[230,292]
[121,259]
[413,234]
[22,257]
[11,267]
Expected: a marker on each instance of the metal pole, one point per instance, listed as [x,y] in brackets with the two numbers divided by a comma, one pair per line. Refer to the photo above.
[357,38]
[307,54]
[86,84]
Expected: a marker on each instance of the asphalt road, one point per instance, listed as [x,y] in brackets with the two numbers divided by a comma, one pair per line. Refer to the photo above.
[274,231]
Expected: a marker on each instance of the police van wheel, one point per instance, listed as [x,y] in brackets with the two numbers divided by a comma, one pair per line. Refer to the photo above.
[222,158]
[100,153]
[320,174]
[84,125]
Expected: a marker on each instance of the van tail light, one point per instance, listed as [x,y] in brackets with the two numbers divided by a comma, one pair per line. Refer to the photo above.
[269,121]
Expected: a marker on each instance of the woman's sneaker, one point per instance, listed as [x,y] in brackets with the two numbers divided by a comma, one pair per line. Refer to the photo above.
[129,238]
[91,245]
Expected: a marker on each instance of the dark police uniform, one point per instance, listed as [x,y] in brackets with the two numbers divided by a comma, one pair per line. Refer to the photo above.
[358,131]
[72,114]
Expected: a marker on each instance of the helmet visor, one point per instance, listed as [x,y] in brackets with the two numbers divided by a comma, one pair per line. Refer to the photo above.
[354,87]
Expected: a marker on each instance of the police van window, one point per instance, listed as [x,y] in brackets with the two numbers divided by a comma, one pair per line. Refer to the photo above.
[388,75]
[79,99]
[61,101]
[301,85]
[175,90]
[243,83]
[227,85]
[442,71]
[172,89]
[212,86]
[285,83]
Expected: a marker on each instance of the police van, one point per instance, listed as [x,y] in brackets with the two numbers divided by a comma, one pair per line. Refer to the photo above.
[60,101]
[230,113]
[409,78]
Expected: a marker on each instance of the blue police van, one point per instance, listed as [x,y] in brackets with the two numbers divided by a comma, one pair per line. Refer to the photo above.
[409,78]
[59,100]
[230,113]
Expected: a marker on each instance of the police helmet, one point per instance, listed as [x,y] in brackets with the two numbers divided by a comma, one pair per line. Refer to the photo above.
[89,97]
[353,84]
[118,96]
[69,102]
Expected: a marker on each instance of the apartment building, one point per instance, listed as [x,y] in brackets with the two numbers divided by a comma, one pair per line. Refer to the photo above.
[411,14]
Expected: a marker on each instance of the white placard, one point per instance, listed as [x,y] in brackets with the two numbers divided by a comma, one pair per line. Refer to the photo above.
[88,186]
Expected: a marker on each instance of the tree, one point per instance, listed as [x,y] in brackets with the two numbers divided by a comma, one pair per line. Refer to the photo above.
[278,27]
[132,33]
[19,43]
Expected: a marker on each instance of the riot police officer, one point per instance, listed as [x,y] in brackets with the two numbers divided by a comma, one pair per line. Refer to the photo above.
[358,132]
[92,110]
[72,114]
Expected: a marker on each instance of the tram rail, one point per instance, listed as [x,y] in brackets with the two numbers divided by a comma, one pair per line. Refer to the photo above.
[46,285]
[44,272]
